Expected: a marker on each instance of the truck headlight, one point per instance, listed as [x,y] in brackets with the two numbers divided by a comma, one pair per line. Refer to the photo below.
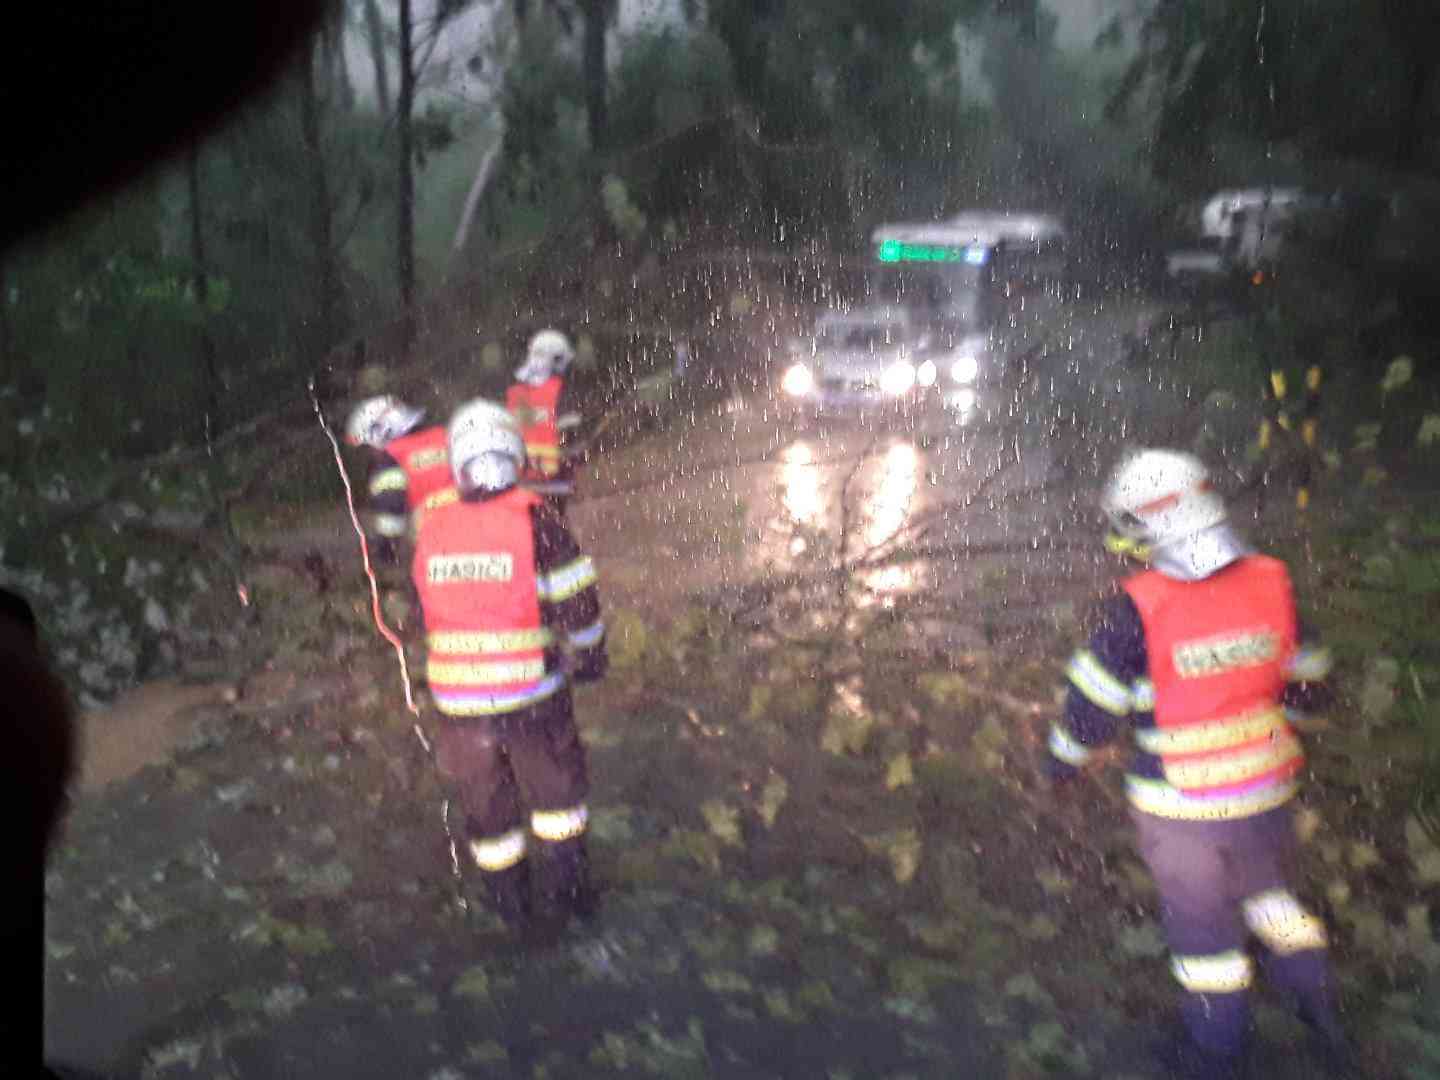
[963,400]
[965,369]
[926,374]
[799,381]
[898,378]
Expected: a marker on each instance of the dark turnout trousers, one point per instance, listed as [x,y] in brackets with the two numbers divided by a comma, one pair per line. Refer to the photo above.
[516,775]
[1221,882]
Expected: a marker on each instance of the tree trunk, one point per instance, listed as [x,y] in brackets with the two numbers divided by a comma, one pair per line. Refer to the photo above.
[1025,14]
[1417,125]
[491,157]
[472,198]
[7,360]
[231,553]
[321,226]
[375,30]
[405,215]
[596,13]
[200,276]
[344,88]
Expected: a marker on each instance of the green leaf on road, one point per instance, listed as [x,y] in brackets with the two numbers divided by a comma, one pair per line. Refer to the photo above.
[723,821]
[1142,941]
[772,798]
[473,983]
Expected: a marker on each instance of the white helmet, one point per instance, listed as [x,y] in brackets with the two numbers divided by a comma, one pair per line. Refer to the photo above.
[378,420]
[1162,509]
[486,449]
[549,353]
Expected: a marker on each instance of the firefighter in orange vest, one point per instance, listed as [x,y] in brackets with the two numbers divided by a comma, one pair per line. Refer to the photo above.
[538,401]
[512,618]
[410,471]
[1200,655]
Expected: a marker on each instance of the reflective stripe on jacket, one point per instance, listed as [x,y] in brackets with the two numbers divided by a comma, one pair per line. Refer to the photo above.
[425,459]
[475,571]
[536,410]
[1219,653]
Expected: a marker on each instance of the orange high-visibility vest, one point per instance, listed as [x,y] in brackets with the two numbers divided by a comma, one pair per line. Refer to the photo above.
[474,569]
[425,457]
[1218,651]
[535,410]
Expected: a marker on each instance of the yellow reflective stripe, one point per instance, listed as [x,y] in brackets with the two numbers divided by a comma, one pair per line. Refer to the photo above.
[1232,767]
[1160,799]
[443,497]
[478,674]
[1142,696]
[464,702]
[462,641]
[390,526]
[1310,664]
[1219,973]
[1066,747]
[565,582]
[557,825]
[1211,735]
[1277,383]
[499,852]
[391,479]
[423,460]
[542,450]
[1101,688]
[1279,920]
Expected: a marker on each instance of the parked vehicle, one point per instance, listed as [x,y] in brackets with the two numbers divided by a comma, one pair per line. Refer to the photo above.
[881,358]
[939,297]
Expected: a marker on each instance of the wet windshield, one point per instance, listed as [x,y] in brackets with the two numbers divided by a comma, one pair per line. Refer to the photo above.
[726,538]
[952,286]
[862,337]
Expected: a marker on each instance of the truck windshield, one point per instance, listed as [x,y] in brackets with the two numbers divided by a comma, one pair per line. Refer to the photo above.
[862,337]
[936,285]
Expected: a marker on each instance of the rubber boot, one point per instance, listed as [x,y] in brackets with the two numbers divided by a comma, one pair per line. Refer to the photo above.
[566,885]
[1183,1059]
[1215,1040]
[508,894]
[1307,976]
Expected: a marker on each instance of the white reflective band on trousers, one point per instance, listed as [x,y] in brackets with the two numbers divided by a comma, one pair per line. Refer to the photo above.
[557,825]
[1220,973]
[1066,747]
[1279,920]
[499,852]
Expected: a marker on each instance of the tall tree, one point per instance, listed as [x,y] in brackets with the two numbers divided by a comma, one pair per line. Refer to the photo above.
[200,281]
[504,50]
[865,70]
[597,16]
[1026,16]
[6,360]
[375,35]
[321,218]
[405,194]
[1292,71]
